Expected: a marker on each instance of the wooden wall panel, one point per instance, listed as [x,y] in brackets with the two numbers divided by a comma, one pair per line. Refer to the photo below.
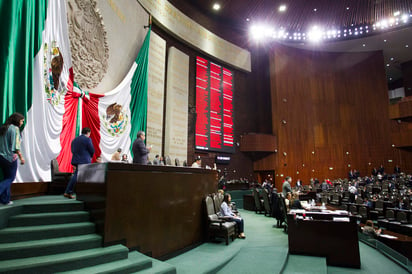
[336,110]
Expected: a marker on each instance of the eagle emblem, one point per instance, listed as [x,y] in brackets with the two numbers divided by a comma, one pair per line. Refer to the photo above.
[53,67]
[115,120]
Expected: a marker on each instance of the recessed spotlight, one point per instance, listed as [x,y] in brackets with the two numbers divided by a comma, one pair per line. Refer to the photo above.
[216,6]
[364,45]
[248,19]
[396,13]
[406,46]
[387,65]
[282,8]
[315,9]
[347,8]
[384,41]
[390,78]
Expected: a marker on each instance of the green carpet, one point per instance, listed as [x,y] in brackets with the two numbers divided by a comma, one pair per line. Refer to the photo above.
[51,234]
[265,251]
[372,261]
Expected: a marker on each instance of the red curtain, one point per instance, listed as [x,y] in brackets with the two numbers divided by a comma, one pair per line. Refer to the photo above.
[90,118]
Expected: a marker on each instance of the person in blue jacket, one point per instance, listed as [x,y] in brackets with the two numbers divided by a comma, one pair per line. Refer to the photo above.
[83,150]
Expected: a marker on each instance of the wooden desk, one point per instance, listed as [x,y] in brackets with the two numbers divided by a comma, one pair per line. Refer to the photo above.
[403,243]
[157,210]
[337,241]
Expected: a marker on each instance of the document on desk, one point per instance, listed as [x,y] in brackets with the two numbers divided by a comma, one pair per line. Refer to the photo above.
[341,219]
[341,212]
[388,236]
[297,211]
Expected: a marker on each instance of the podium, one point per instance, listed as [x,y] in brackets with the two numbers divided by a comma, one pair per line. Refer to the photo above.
[324,234]
[156,210]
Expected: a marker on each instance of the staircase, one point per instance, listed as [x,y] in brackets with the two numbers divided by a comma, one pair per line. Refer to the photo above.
[51,234]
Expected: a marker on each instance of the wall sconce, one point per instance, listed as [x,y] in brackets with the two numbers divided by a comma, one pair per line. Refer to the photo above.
[284,122]
[347,152]
[313,152]
[330,168]
[348,165]
[284,154]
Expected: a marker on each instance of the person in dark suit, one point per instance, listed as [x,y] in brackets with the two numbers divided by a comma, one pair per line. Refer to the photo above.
[83,150]
[140,151]
[286,187]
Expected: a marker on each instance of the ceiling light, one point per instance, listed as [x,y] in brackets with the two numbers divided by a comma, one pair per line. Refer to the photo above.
[282,8]
[247,19]
[216,6]
[406,46]
[315,9]
[396,13]
[347,8]
[364,45]
[315,34]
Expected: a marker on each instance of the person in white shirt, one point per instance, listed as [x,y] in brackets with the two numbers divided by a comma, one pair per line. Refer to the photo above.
[226,211]
[197,163]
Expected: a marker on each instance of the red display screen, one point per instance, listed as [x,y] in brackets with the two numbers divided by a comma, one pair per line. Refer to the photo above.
[214,107]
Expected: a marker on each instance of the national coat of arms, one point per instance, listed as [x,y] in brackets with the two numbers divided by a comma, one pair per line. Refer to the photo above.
[115,120]
[53,67]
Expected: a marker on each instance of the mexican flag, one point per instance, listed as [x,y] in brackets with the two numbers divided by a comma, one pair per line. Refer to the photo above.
[52,80]
[114,118]
[54,106]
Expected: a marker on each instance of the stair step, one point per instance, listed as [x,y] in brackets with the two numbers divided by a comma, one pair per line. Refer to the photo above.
[33,219]
[65,205]
[159,267]
[65,261]
[27,249]
[28,233]
[135,262]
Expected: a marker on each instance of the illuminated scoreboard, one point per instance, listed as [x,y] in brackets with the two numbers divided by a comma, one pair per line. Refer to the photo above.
[214,107]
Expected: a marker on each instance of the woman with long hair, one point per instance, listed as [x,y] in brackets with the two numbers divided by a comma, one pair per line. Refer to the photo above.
[9,152]
[226,211]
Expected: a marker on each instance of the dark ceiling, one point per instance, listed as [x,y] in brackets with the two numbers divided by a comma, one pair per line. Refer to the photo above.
[300,15]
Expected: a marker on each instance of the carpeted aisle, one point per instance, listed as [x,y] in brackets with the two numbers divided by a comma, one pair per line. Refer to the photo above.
[264,251]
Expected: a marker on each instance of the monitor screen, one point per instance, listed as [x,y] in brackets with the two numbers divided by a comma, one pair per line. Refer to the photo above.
[214,107]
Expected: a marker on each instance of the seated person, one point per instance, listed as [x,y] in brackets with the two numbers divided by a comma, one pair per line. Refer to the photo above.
[288,201]
[116,155]
[124,158]
[197,163]
[294,202]
[226,211]
[370,230]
